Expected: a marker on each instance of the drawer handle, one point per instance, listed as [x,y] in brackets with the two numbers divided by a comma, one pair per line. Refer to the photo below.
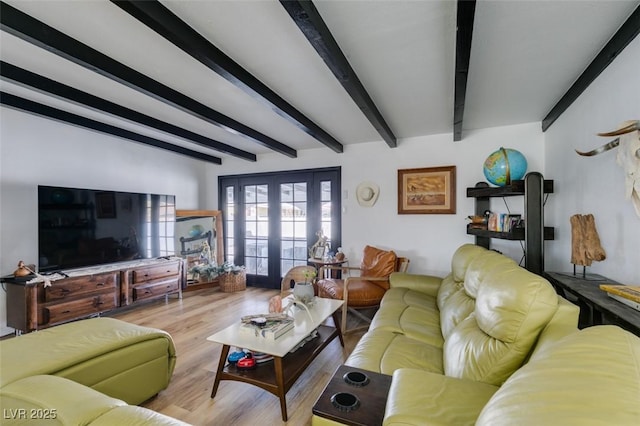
[64,291]
[99,284]
[66,312]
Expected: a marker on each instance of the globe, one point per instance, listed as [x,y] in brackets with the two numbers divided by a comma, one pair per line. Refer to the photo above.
[196,231]
[504,165]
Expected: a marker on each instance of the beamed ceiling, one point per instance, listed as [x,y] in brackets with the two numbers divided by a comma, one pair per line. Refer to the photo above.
[219,79]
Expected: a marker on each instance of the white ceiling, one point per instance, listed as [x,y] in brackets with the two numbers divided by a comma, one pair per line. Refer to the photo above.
[525,55]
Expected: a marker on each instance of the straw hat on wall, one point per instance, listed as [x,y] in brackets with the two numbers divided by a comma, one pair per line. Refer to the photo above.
[367,194]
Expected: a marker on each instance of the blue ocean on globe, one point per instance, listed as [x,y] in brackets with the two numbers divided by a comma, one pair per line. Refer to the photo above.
[495,166]
[196,231]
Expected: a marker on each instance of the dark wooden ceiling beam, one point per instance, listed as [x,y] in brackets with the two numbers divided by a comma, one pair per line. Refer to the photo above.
[625,34]
[464,35]
[46,85]
[26,105]
[308,19]
[38,33]
[168,25]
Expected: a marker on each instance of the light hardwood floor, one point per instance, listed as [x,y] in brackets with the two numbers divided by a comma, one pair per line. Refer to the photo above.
[200,314]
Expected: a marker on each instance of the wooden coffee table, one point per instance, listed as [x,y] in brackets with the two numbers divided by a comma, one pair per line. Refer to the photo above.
[371,397]
[279,376]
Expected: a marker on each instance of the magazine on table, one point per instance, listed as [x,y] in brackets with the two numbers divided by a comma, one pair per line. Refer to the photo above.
[268,326]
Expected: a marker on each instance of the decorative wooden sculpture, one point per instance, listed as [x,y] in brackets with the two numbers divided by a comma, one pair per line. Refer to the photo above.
[585,241]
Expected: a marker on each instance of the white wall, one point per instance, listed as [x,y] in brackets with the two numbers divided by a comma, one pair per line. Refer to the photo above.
[64,155]
[35,151]
[596,184]
[428,240]
[39,151]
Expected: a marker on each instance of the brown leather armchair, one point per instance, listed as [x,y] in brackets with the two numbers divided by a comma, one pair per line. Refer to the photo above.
[365,290]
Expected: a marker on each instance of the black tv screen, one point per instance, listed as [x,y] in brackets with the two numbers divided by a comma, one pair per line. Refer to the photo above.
[84,227]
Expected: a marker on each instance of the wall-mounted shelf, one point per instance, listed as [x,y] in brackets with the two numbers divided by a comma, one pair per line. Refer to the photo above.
[517,187]
[514,235]
[533,188]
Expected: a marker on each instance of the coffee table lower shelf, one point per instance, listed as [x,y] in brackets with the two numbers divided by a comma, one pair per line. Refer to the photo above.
[278,376]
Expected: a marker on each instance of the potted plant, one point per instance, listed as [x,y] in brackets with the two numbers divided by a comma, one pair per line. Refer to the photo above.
[304,291]
[231,277]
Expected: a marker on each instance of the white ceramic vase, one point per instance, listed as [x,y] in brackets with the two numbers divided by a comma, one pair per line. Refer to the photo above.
[303,292]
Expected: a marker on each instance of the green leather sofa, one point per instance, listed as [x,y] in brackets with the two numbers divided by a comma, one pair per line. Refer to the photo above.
[494,344]
[85,372]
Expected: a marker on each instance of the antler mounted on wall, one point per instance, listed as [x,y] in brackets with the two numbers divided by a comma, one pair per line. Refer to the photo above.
[628,157]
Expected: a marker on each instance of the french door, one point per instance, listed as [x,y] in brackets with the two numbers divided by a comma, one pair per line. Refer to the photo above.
[271,219]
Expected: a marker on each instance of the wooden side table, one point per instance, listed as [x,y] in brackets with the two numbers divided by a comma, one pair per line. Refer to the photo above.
[319,263]
[595,306]
[372,398]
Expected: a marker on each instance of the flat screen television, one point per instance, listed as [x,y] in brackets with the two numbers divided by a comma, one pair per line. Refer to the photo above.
[85,227]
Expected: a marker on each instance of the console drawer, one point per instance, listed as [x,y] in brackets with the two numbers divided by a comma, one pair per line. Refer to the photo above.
[79,286]
[149,273]
[79,308]
[156,289]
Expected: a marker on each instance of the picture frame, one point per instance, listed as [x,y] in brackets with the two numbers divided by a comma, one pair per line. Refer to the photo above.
[318,252]
[429,190]
[105,205]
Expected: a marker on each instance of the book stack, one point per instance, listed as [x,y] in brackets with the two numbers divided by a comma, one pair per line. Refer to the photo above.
[629,295]
[261,357]
[274,326]
[502,222]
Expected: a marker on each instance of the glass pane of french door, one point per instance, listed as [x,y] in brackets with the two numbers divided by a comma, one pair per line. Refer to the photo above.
[293,225]
[325,212]
[230,224]
[256,225]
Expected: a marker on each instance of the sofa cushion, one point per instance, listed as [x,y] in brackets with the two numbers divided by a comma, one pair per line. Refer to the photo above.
[591,377]
[378,263]
[512,307]
[409,312]
[460,261]
[384,352]
[421,398]
[458,307]
[563,323]
[401,297]
[64,401]
[362,293]
[481,265]
[461,303]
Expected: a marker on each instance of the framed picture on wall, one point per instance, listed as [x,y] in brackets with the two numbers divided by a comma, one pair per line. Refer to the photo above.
[430,190]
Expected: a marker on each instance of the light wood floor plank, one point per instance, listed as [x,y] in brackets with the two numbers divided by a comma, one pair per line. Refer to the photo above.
[200,314]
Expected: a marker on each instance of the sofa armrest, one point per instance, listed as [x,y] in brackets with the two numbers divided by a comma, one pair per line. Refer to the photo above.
[427,284]
[417,397]
[55,400]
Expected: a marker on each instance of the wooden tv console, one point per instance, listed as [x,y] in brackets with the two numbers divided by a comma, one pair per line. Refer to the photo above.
[87,292]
